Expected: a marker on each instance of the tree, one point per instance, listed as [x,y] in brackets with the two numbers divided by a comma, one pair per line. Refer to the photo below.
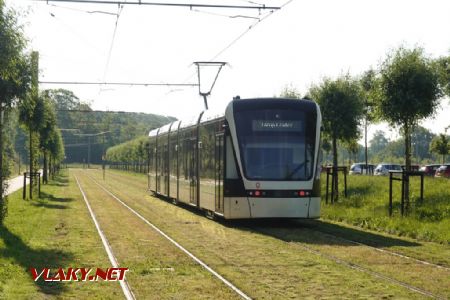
[367,82]
[29,116]
[440,145]
[290,92]
[14,76]
[443,67]
[378,142]
[408,91]
[421,139]
[46,115]
[340,102]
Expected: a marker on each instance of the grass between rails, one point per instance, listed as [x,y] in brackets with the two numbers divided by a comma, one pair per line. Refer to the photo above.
[368,201]
[274,264]
[158,270]
[54,232]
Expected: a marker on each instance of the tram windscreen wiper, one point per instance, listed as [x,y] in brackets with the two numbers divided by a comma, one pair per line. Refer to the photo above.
[297,168]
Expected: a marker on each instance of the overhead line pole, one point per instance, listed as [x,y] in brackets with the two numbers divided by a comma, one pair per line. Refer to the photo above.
[190,5]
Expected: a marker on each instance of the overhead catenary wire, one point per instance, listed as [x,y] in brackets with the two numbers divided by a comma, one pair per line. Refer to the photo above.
[189,5]
[240,36]
[119,11]
[84,11]
[118,83]
[258,21]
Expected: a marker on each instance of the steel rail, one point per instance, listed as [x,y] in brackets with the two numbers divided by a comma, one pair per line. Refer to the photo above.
[154,227]
[360,268]
[123,283]
[384,250]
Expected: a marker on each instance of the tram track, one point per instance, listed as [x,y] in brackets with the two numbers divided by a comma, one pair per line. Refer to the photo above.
[126,289]
[420,261]
[236,290]
[380,276]
[178,245]
[310,227]
[363,269]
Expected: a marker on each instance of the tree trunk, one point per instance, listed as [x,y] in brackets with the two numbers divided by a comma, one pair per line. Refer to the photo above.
[45,172]
[335,191]
[31,164]
[365,144]
[1,164]
[407,134]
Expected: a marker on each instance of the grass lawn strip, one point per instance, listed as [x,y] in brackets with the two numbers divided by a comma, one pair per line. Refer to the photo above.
[266,266]
[54,232]
[423,250]
[158,270]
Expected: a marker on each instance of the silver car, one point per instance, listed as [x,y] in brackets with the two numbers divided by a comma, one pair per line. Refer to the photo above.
[384,168]
[360,169]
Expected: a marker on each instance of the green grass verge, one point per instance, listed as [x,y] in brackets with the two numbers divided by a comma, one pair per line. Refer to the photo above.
[367,206]
[51,232]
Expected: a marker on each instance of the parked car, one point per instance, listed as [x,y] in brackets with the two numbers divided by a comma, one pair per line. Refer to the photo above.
[384,168]
[360,168]
[443,171]
[429,170]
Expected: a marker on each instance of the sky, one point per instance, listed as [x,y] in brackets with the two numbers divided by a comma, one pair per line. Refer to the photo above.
[265,50]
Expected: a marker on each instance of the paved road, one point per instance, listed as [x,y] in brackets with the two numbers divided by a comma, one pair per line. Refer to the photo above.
[16,184]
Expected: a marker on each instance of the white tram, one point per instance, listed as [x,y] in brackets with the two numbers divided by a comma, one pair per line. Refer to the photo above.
[259,160]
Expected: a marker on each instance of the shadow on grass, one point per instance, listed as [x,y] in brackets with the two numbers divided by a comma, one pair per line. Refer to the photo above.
[59,180]
[52,198]
[48,201]
[316,232]
[28,258]
[306,231]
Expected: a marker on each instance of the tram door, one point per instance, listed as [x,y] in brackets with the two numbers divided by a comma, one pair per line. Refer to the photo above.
[158,166]
[192,170]
[165,170]
[219,155]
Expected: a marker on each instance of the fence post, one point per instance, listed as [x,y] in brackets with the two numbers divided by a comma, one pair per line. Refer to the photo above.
[421,187]
[390,194]
[39,185]
[24,192]
[326,193]
[345,181]
[402,200]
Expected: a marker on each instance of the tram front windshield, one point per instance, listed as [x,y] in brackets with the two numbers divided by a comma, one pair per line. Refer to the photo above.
[276,144]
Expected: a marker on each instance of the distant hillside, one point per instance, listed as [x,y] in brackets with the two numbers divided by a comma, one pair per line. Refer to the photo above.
[88,133]
[102,130]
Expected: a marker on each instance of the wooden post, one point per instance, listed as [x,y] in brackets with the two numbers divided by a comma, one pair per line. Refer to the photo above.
[390,194]
[402,200]
[421,187]
[345,182]
[326,193]
[24,192]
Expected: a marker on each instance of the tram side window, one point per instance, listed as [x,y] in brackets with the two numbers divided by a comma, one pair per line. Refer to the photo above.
[231,170]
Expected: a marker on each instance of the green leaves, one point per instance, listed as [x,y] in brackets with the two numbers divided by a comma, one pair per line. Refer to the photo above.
[341,105]
[408,87]
[15,75]
[440,145]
